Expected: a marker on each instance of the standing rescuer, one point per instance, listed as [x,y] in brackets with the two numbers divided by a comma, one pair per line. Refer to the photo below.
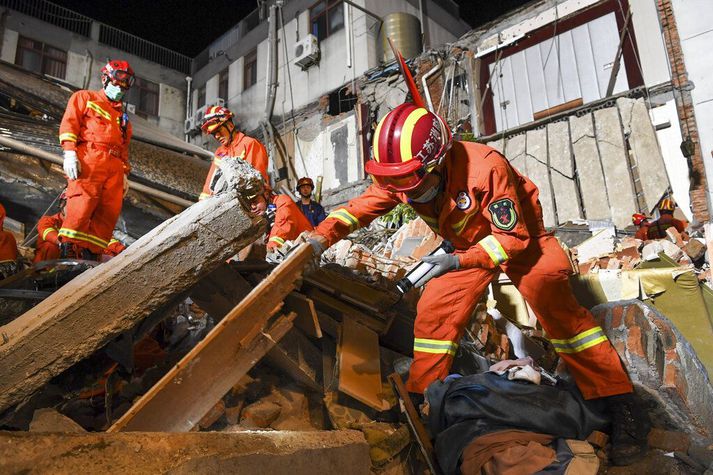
[95,134]
[8,249]
[218,121]
[310,208]
[471,195]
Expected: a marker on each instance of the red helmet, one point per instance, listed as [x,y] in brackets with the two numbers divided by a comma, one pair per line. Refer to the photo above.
[214,117]
[118,72]
[638,218]
[667,204]
[408,143]
[304,181]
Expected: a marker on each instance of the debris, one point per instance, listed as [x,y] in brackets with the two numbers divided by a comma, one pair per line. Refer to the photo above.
[669,441]
[49,420]
[260,414]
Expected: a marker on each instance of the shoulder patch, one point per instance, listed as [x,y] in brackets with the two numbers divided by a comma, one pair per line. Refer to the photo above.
[463,200]
[502,213]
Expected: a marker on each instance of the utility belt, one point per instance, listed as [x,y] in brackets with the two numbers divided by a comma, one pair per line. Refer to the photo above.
[112,150]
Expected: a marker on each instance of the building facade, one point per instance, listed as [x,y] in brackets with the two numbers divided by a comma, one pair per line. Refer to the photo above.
[50,40]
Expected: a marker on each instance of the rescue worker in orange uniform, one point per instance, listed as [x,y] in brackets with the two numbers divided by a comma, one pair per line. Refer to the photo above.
[218,121]
[8,249]
[657,229]
[285,219]
[95,134]
[471,195]
[643,223]
[48,227]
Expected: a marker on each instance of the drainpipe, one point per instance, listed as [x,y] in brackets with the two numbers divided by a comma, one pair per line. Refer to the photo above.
[424,82]
[271,86]
[188,102]
[88,70]
[420,18]
[348,33]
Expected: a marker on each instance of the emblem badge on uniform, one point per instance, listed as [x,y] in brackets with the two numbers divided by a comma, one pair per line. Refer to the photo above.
[463,201]
[502,213]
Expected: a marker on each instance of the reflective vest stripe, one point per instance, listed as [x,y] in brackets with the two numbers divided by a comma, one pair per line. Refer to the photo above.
[96,108]
[494,249]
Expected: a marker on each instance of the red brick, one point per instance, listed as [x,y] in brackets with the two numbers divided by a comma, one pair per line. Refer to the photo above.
[674,381]
[620,348]
[666,333]
[635,342]
[672,356]
[631,314]
[669,441]
[617,316]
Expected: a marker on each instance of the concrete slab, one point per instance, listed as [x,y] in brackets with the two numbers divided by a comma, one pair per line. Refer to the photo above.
[498,145]
[589,168]
[276,452]
[105,301]
[515,152]
[613,153]
[564,183]
[645,148]
[538,172]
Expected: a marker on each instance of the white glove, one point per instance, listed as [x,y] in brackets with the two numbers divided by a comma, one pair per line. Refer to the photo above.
[126,184]
[71,165]
[442,263]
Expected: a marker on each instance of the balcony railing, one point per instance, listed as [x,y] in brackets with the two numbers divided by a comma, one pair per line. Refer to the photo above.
[51,13]
[145,49]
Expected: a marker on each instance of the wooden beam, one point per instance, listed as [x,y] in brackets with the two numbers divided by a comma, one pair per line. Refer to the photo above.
[332,305]
[307,319]
[178,401]
[299,358]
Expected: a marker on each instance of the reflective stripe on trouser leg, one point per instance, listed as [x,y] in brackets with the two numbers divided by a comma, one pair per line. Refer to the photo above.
[580,342]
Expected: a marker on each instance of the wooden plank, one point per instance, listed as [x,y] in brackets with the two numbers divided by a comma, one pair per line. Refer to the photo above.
[103,302]
[299,358]
[184,395]
[334,306]
[329,325]
[622,199]
[307,319]
[360,365]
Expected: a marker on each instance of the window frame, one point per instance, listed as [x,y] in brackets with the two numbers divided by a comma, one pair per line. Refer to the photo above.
[250,59]
[329,5]
[223,84]
[148,88]
[45,57]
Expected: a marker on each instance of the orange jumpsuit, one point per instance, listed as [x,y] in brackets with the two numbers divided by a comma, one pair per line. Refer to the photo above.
[8,245]
[643,231]
[289,222]
[657,229]
[47,246]
[491,213]
[114,248]
[98,130]
[242,146]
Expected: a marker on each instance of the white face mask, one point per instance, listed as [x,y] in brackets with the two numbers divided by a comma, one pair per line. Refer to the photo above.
[115,93]
[427,195]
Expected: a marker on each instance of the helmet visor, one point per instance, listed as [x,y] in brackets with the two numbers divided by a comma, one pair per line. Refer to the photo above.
[400,183]
[123,79]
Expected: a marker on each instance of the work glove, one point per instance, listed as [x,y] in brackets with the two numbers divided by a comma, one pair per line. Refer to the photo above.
[126,185]
[72,167]
[442,263]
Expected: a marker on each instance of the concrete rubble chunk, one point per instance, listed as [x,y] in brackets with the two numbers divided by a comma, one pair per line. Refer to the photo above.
[103,302]
[295,453]
[49,420]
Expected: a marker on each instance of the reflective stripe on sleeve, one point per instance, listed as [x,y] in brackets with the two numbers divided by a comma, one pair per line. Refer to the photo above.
[47,231]
[277,239]
[494,249]
[203,196]
[346,217]
[67,137]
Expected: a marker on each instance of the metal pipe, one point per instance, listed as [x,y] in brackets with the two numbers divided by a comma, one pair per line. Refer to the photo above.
[420,19]
[425,79]
[188,100]
[50,157]
[271,83]
[359,7]
[348,33]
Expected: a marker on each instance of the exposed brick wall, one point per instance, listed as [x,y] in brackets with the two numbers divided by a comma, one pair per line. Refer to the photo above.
[684,105]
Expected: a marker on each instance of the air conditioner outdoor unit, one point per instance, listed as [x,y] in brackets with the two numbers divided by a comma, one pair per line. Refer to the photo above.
[131,108]
[307,52]
[189,125]
[198,116]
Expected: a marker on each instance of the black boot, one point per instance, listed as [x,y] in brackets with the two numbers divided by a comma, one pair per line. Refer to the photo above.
[630,426]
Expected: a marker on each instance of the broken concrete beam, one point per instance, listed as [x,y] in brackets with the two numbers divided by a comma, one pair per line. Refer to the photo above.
[109,299]
[564,181]
[295,453]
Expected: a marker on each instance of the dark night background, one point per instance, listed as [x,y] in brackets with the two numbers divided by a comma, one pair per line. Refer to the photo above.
[189,26]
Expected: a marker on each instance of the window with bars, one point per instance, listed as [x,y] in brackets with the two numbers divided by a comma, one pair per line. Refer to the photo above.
[250,69]
[223,84]
[145,96]
[200,102]
[326,17]
[41,58]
